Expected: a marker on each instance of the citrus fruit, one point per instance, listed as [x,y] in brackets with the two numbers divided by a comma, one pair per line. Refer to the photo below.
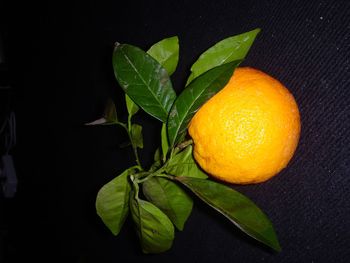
[247,132]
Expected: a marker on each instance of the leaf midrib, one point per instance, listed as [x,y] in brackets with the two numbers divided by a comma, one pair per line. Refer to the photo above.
[144,81]
[219,64]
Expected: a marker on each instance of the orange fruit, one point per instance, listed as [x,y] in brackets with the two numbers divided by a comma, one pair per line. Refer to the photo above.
[247,132]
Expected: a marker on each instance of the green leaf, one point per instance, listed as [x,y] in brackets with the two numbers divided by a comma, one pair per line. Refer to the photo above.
[166,52]
[157,155]
[154,228]
[165,143]
[136,135]
[192,98]
[112,202]
[183,164]
[240,210]
[144,80]
[227,50]
[157,161]
[170,198]
[109,115]
[131,106]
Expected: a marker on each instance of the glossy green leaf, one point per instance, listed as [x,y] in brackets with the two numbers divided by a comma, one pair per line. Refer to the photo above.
[136,135]
[131,106]
[196,94]
[109,116]
[183,164]
[227,50]
[112,202]
[165,143]
[154,228]
[166,52]
[144,80]
[170,198]
[240,210]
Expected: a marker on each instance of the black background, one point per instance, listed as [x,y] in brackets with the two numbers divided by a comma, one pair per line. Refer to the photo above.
[59,64]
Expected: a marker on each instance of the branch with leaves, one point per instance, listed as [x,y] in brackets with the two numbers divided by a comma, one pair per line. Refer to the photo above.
[145,78]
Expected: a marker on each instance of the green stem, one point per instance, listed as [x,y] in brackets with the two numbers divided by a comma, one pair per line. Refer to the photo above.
[171,177]
[184,144]
[144,176]
[144,179]
[179,147]
[123,125]
[136,189]
[140,176]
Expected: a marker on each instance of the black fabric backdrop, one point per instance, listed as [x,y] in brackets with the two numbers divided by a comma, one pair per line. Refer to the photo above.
[60,66]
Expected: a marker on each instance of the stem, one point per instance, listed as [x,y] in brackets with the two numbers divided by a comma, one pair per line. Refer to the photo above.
[184,144]
[144,176]
[121,124]
[136,188]
[140,176]
[167,176]
[144,179]
[180,146]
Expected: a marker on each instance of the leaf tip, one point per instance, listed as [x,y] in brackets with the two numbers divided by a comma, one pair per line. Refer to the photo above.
[180,227]
[115,232]
[272,242]
[258,29]
[277,247]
